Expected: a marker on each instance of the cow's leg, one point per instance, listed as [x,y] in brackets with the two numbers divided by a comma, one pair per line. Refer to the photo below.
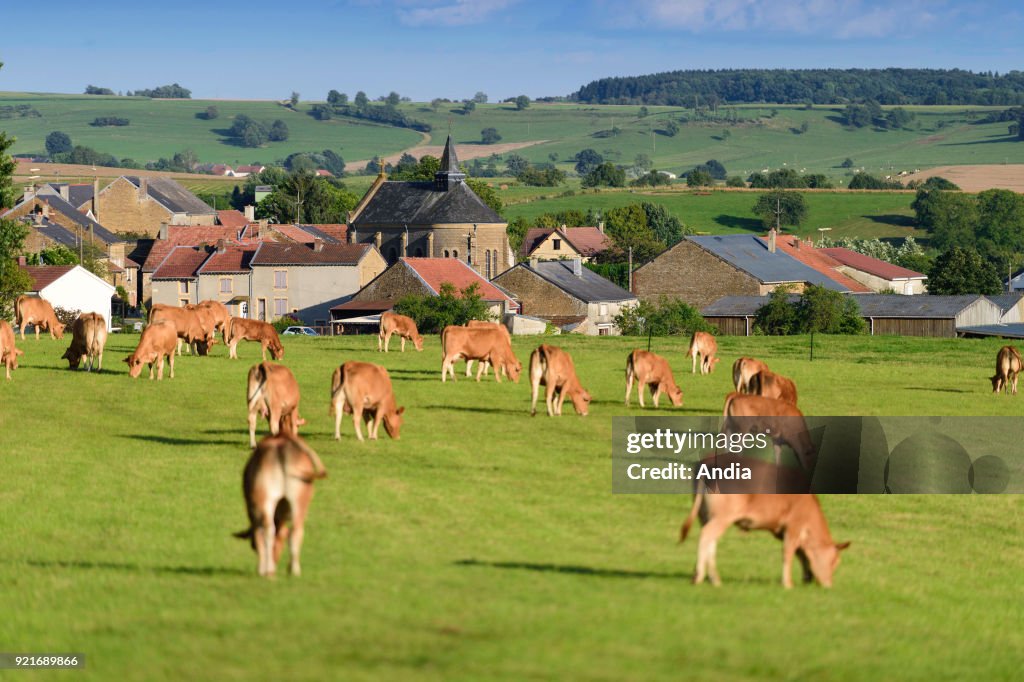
[99,362]
[790,544]
[298,530]
[263,347]
[403,343]
[253,416]
[171,362]
[179,345]
[37,331]
[233,349]
[378,416]
[338,411]
[387,341]
[629,387]
[448,365]
[274,418]
[380,341]
[778,453]
[805,564]
[269,539]
[561,400]
[655,394]
[549,394]
[1015,383]
[469,367]
[693,365]
[707,550]
[357,419]
[534,389]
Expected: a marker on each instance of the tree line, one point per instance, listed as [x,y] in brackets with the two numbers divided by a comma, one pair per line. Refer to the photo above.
[800,86]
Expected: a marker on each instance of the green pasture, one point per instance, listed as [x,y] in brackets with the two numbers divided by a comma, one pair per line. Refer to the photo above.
[849,214]
[485,544]
[746,138]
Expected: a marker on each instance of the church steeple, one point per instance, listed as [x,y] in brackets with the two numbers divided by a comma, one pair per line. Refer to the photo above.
[449,174]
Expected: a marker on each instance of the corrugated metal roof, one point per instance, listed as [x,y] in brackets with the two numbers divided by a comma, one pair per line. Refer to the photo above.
[1009,331]
[1006,301]
[589,286]
[739,306]
[750,254]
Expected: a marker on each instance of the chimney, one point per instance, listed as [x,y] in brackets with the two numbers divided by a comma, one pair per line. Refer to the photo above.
[772,235]
[577,267]
[65,192]
[250,213]
[318,244]
[533,263]
[37,217]
[797,243]
[222,246]
[143,188]
[46,209]
[30,191]
[163,231]
[22,262]
[600,226]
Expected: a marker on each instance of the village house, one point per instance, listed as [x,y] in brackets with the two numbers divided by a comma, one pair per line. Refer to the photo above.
[71,287]
[563,292]
[226,276]
[878,275]
[702,269]
[175,280]
[142,204]
[565,243]
[439,219]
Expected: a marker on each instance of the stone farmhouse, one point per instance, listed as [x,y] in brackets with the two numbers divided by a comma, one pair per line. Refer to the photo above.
[439,219]
[565,293]
[565,243]
[141,204]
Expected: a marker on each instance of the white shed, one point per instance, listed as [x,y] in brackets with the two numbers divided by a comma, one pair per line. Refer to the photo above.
[71,287]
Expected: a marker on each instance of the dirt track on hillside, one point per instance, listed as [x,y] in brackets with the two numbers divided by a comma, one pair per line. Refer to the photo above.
[464,152]
[977,178]
[67,172]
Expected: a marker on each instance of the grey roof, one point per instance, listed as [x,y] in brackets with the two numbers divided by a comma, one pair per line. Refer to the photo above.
[871,305]
[173,196]
[87,224]
[421,203]
[1010,331]
[77,194]
[750,254]
[1006,301]
[449,161]
[590,287]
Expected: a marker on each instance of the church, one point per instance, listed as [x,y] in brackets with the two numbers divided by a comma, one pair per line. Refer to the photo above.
[439,219]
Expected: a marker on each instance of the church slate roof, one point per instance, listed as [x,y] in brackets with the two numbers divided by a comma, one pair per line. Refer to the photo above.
[420,203]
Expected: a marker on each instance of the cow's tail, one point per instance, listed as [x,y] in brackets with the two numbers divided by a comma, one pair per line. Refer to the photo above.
[337,383]
[629,366]
[226,329]
[319,470]
[17,311]
[698,499]
[258,373]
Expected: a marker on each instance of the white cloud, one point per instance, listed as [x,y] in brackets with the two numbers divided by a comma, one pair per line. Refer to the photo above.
[451,13]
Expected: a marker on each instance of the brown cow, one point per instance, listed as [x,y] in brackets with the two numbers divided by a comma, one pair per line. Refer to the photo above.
[88,337]
[478,344]
[768,384]
[188,326]
[743,370]
[483,324]
[1008,366]
[785,423]
[553,367]
[8,353]
[158,339]
[650,369]
[405,327]
[273,393]
[38,312]
[241,329]
[704,345]
[277,484]
[797,520]
[364,389]
[220,313]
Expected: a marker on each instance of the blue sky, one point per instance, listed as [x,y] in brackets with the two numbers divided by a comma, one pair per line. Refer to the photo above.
[454,48]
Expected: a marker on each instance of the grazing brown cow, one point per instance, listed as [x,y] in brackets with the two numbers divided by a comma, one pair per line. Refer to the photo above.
[483,324]
[553,368]
[188,326]
[743,371]
[158,339]
[797,520]
[768,384]
[1008,366]
[785,423]
[88,337]
[8,353]
[478,344]
[241,329]
[273,393]
[277,484]
[219,311]
[704,345]
[364,389]
[650,369]
[405,327]
[38,312]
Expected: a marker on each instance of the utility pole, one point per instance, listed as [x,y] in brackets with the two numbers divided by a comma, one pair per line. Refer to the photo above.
[630,269]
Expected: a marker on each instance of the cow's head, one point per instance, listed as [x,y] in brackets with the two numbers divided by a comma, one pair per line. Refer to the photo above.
[997,383]
[824,561]
[134,365]
[581,402]
[10,357]
[73,356]
[393,422]
[676,396]
[276,349]
[418,342]
[58,329]
[710,363]
[514,369]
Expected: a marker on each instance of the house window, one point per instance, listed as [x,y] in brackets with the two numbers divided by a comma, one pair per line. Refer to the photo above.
[446,254]
[225,285]
[183,286]
[128,274]
[556,244]
[419,252]
[487,259]
[280,307]
[603,309]
[261,309]
[183,302]
[455,253]
[280,279]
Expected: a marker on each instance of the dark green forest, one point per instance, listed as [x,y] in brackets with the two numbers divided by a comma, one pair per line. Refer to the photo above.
[802,86]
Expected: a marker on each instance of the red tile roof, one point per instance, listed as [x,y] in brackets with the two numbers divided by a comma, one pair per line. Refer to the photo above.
[182,263]
[233,259]
[249,169]
[872,266]
[194,235]
[290,253]
[232,218]
[435,271]
[818,260]
[45,275]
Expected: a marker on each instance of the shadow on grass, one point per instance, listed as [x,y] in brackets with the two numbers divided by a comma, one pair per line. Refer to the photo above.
[464,408]
[892,219]
[422,372]
[751,224]
[170,440]
[136,568]
[940,390]
[576,570]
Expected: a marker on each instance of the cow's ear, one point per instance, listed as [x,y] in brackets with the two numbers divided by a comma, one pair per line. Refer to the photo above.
[842,545]
[400,410]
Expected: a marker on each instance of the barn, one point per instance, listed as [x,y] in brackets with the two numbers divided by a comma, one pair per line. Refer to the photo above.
[71,287]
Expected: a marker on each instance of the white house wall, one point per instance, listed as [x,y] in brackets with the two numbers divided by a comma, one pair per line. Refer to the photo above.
[80,290]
